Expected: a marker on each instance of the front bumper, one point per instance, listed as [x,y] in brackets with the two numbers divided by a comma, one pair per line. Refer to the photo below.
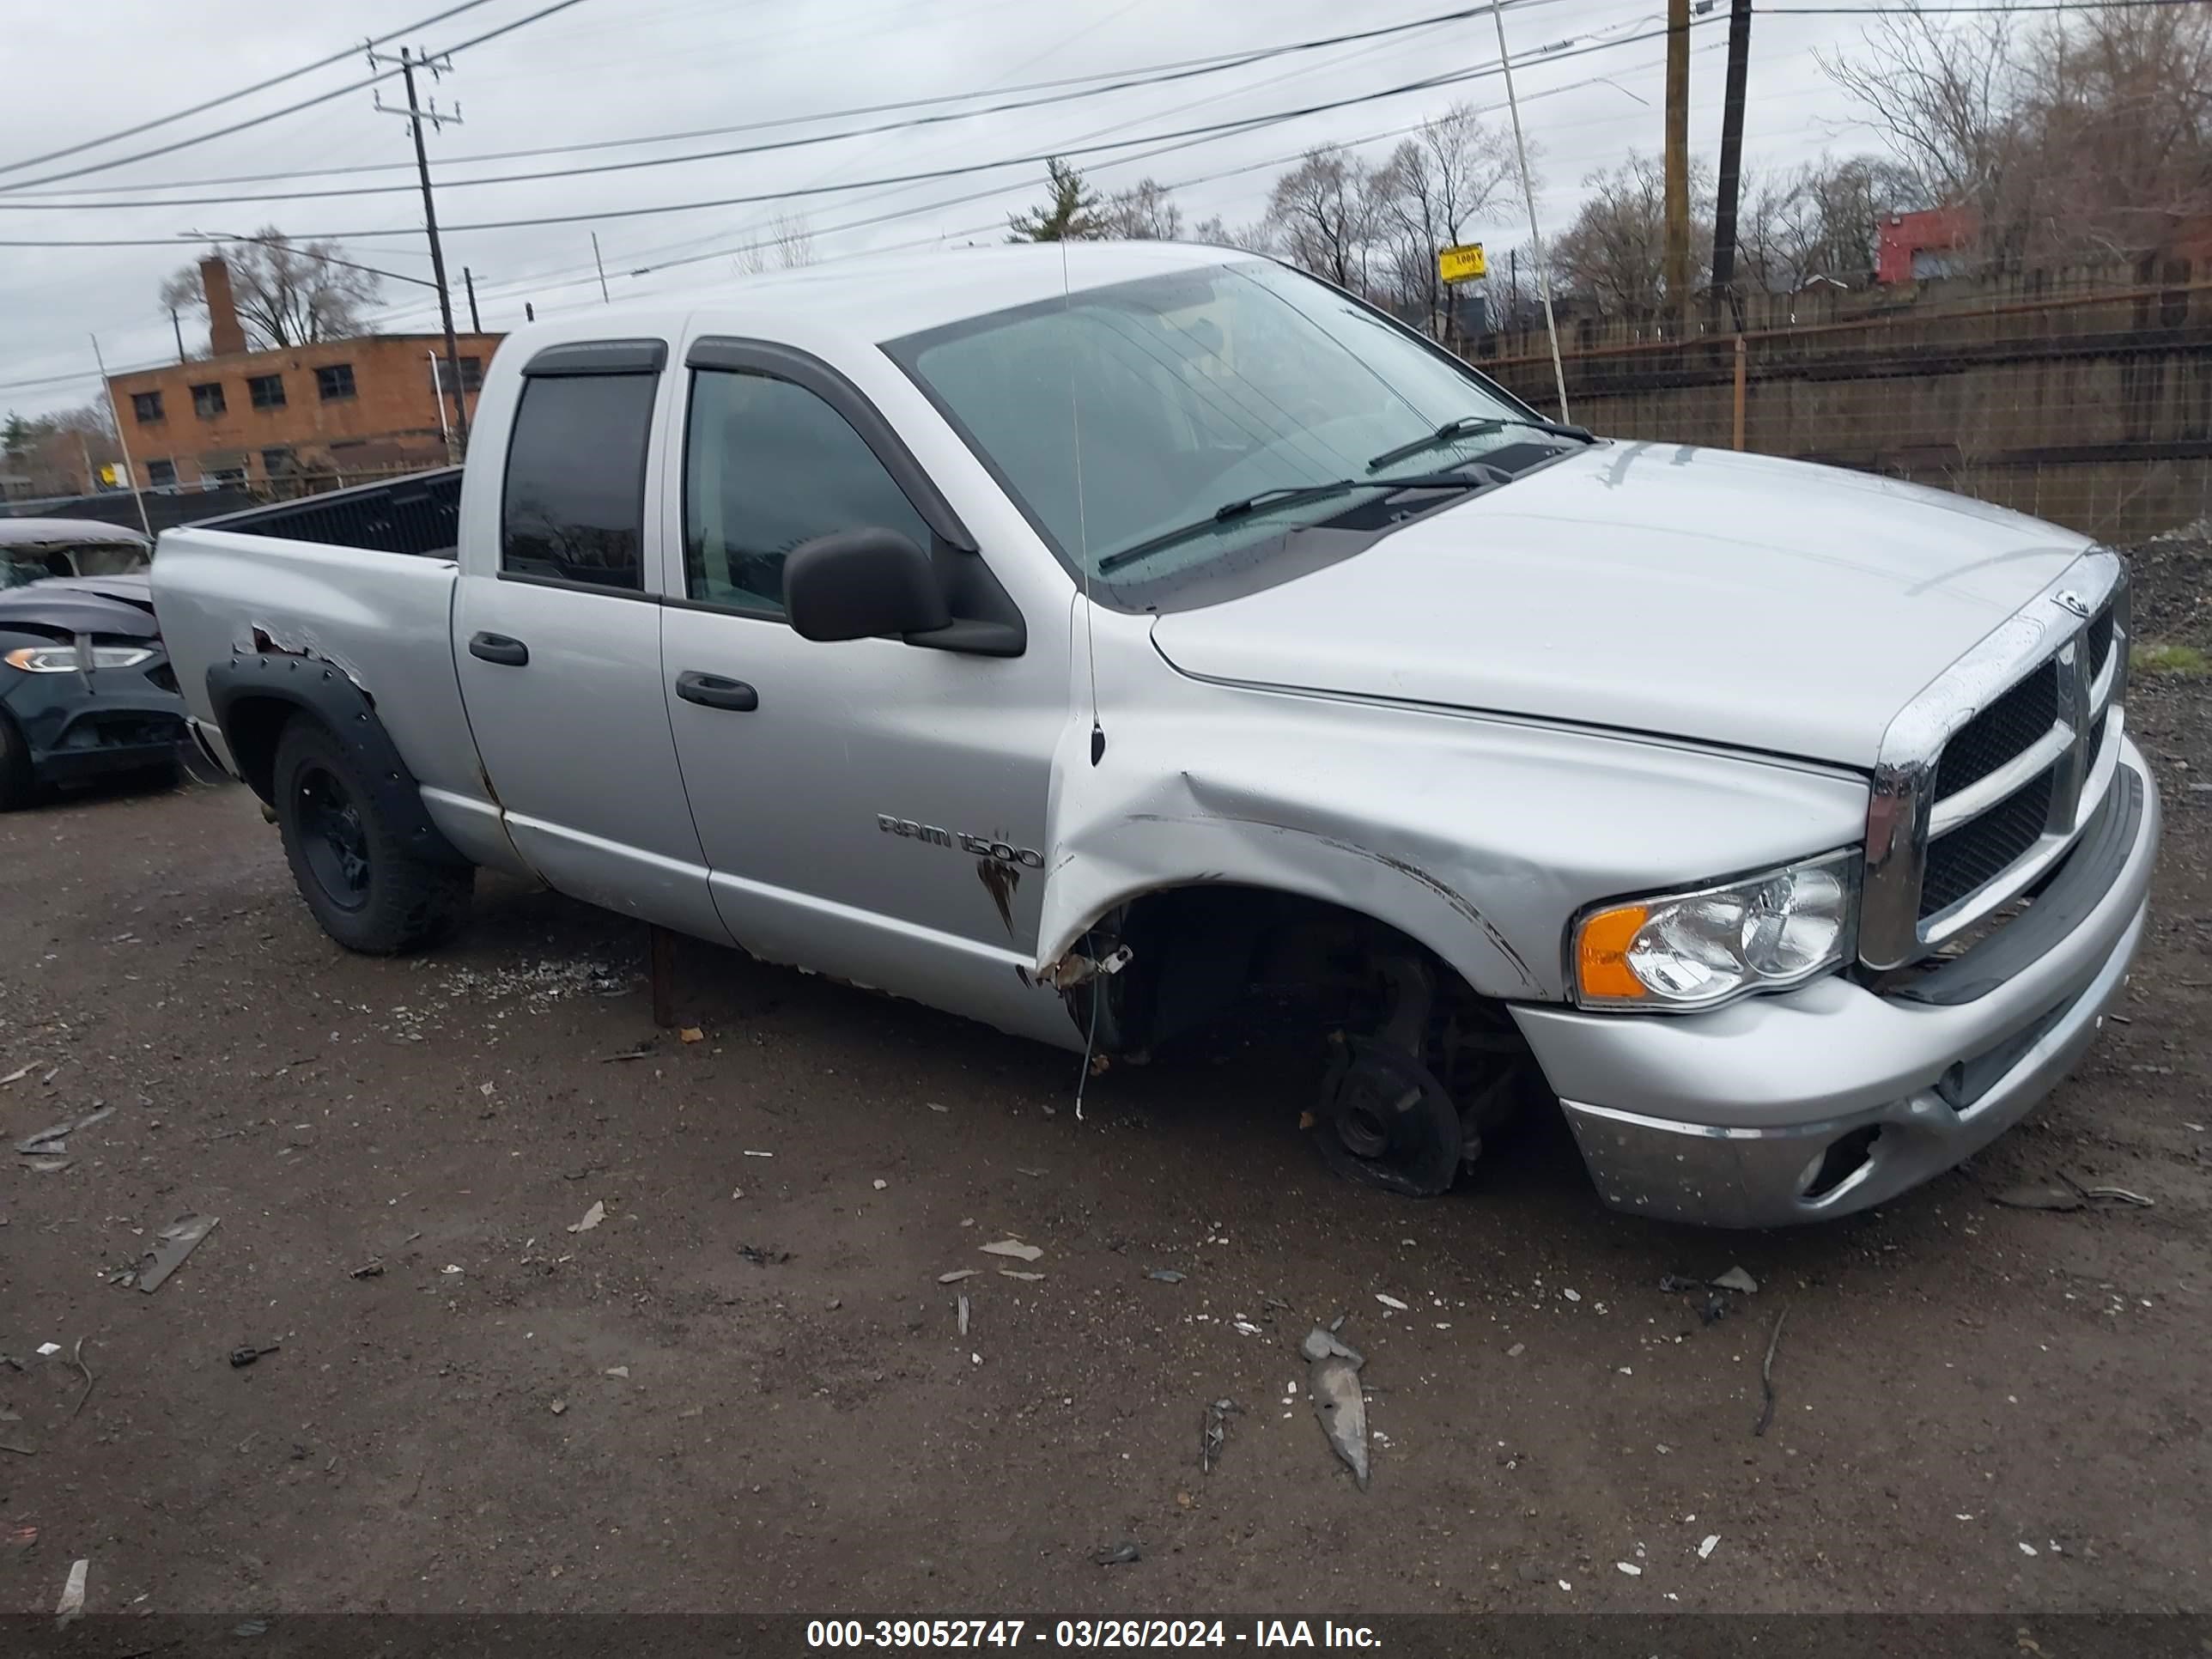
[1725,1118]
[81,726]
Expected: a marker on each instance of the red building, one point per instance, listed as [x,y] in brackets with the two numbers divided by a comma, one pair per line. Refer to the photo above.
[1916,246]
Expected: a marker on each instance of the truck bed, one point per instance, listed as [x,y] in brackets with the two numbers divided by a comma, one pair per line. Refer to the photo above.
[361,580]
[419,514]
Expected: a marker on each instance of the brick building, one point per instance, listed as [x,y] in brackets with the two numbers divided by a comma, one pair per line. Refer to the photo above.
[237,415]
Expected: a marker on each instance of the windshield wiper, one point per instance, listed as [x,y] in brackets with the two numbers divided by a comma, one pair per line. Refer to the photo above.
[1472,426]
[1267,500]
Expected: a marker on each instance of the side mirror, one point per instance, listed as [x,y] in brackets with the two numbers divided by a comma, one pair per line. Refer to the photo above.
[859,584]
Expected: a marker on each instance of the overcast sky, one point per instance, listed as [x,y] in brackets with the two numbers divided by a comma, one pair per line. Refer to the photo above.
[618,69]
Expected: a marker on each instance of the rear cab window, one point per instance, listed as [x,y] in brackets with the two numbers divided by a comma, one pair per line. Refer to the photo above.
[572,509]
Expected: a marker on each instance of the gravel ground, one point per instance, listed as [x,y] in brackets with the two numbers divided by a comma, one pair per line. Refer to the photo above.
[475,1405]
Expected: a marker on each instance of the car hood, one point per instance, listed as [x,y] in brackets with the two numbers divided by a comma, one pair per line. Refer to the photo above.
[120,605]
[1696,593]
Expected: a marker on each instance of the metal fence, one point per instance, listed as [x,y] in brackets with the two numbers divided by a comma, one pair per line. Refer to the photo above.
[2090,406]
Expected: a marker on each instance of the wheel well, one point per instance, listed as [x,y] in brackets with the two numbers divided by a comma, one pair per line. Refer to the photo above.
[252,726]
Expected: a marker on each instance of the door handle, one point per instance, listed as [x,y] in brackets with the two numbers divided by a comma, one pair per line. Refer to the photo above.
[499,648]
[712,691]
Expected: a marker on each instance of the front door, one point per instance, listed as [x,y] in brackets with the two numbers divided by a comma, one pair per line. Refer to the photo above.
[559,646]
[869,809]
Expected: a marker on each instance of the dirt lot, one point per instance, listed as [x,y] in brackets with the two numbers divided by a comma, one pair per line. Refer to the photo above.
[1979,1407]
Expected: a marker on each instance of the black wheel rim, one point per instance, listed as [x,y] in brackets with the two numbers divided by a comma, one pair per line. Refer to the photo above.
[332,838]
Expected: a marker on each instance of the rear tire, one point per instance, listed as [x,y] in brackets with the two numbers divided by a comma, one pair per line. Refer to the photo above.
[348,857]
[15,780]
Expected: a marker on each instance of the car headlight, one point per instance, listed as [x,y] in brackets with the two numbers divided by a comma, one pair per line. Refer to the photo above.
[64,660]
[1686,950]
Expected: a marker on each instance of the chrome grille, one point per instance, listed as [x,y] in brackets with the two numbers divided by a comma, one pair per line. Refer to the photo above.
[2000,733]
[1985,780]
[1979,852]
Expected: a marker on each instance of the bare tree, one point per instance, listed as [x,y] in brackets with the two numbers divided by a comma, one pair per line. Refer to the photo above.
[1258,237]
[1146,212]
[1822,220]
[61,454]
[1326,212]
[1614,256]
[786,245]
[1455,172]
[286,295]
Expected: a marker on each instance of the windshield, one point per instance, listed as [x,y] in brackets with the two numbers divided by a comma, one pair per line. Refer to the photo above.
[20,567]
[1190,391]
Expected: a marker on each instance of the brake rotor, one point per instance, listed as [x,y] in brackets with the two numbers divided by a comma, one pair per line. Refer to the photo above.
[1383,1118]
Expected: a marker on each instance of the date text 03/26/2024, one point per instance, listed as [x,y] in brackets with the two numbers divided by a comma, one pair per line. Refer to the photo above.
[826,1633]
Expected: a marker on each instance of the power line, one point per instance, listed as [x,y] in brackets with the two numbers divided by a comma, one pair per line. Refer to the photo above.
[292,109]
[243,92]
[1139,78]
[1472,73]
[1226,60]
[1968,10]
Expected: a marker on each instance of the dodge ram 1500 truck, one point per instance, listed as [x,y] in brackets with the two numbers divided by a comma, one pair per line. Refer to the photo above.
[1092,639]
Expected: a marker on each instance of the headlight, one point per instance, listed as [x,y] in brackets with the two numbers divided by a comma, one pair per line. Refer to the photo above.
[62,658]
[1686,950]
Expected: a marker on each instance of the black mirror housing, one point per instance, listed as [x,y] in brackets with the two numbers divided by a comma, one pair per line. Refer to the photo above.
[861,584]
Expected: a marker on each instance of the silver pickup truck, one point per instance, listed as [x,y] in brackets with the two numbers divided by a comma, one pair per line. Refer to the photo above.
[1096,640]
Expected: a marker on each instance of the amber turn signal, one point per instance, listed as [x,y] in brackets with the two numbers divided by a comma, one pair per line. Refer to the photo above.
[1601,967]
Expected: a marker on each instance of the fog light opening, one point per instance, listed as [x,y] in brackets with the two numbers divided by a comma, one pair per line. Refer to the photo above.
[1845,1156]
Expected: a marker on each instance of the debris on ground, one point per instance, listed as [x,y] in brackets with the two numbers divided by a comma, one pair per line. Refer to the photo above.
[958,1274]
[1675,1284]
[1766,1372]
[175,1241]
[1706,1549]
[1736,1280]
[21,1537]
[622,1372]
[48,1349]
[15,1076]
[1391,1301]
[2067,1195]
[964,1315]
[53,1142]
[761,1258]
[558,1406]
[750,1153]
[628,1054]
[1014,1247]
[71,1606]
[592,1217]
[1517,1350]
[1215,1433]
[367,1270]
[937,1106]
[1016,1272]
[241,1357]
[1166,1275]
[19,1451]
[1120,1556]
[1630,1567]
[692,1034]
[1333,1381]
[881,1184]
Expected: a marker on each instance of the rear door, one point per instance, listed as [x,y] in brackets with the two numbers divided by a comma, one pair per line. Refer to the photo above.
[558,642]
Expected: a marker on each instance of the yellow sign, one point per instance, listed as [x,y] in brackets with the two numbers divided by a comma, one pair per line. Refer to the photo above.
[112,476]
[1463,263]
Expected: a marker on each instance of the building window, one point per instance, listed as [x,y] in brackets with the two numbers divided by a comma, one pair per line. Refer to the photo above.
[276,462]
[267,391]
[217,477]
[159,474]
[146,407]
[334,382]
[207,400]
[471,375]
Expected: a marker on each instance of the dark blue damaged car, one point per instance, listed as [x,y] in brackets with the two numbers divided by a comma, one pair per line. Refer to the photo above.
[86,689]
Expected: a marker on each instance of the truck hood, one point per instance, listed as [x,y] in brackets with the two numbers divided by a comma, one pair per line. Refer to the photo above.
[1696,593]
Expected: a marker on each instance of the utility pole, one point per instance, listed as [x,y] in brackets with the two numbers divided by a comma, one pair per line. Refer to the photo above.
[417,115]
[122,442]
[1724,210]
[1528,198]
[469,282]
[601,264]
[179,328]
[1678,160]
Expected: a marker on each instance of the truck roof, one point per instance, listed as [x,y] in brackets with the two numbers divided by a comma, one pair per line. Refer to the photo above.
[884,298]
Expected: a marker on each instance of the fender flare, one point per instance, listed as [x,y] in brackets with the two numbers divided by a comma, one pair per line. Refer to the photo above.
[324,692]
